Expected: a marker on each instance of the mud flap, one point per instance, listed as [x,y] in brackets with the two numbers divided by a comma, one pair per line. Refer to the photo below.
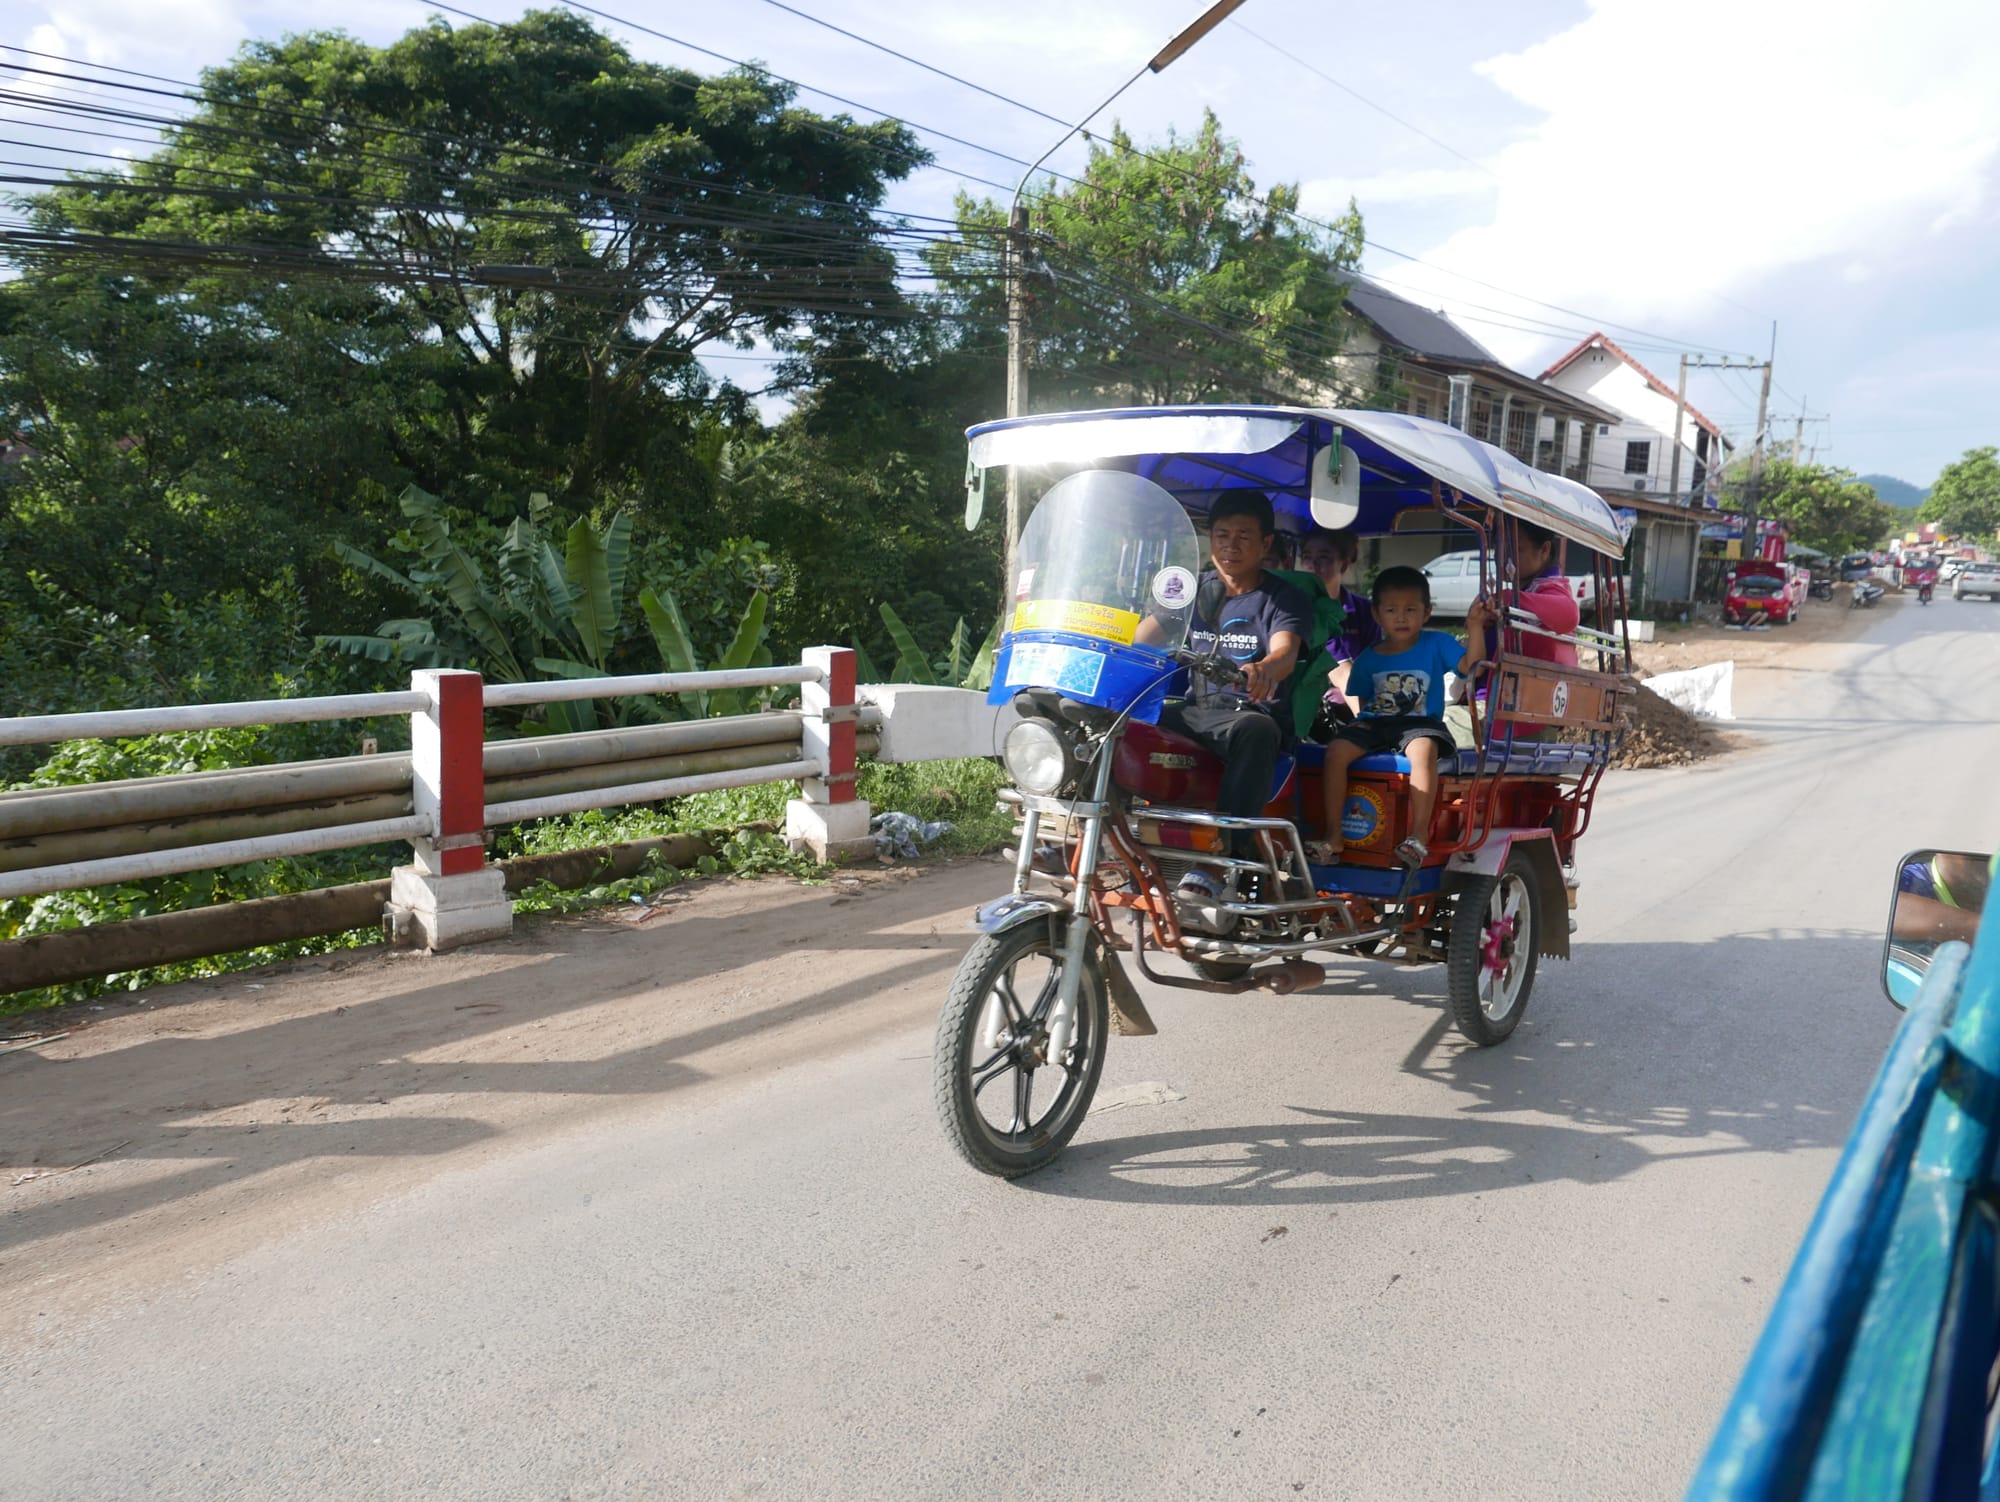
[1129,1017]
[1548,876]
[1545,869]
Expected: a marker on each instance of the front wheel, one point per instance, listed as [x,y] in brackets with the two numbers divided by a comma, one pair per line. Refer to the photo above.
[1490,958]
[1008,1107]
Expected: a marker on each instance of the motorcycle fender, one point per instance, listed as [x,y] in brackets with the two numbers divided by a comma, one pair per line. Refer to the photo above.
[1540,848]
[1016,908]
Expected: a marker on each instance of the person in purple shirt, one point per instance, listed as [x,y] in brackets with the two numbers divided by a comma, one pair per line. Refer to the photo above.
[1331,556]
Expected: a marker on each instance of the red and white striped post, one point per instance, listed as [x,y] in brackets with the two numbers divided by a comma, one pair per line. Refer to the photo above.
[448,895]
[829,819]
[447,763]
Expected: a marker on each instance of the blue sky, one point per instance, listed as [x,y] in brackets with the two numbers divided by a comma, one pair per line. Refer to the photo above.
[1681,174]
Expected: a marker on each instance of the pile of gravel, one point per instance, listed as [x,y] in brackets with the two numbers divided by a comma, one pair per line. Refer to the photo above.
[1662,734]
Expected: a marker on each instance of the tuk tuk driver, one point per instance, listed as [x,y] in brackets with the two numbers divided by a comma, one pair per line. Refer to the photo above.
[1263,624]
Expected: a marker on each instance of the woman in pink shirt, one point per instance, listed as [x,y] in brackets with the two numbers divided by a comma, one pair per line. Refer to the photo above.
[1546,596]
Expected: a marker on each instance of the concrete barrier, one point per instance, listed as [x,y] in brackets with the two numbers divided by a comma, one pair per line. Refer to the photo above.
[921,723]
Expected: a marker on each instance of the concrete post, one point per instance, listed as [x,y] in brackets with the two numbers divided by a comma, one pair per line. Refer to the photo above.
[829,820]
[448,895]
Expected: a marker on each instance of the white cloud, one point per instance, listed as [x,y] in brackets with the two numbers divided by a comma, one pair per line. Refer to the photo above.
[116,31]
[1325,197]
[1693,149]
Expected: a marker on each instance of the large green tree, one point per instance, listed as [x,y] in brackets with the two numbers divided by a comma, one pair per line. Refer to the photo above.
[1824,508]
[480,260]
[1164,275]
[1965,501]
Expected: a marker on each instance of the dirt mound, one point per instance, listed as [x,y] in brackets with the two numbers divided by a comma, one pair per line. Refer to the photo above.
[1661,734]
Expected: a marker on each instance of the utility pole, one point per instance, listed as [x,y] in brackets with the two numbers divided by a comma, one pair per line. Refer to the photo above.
[1756,492]
[1680,412]
[1799,431]
[1017,381]
[1680,416]
[1016,263]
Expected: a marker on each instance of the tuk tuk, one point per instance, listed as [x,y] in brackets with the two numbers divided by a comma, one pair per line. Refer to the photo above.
[1115,809]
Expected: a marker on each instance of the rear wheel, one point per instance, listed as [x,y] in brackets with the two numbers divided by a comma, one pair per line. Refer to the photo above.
[1490,961]
[1008,1107]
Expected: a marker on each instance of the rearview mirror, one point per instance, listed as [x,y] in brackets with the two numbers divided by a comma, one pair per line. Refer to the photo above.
[1938,898]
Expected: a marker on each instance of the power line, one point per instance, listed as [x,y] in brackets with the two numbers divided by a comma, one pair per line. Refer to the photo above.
[916,62]
[1356,94]
[1257,199]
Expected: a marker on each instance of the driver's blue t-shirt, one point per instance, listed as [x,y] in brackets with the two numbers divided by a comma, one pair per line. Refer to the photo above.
[1410,682]
[1248,622]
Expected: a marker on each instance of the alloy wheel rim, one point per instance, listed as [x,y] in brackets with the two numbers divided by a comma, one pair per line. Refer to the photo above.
[1020,1054]
[1506,942]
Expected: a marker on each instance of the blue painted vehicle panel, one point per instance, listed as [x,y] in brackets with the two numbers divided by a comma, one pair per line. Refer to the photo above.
[1871,1377]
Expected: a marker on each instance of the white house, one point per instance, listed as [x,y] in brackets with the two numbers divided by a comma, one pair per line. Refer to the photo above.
[1630,461]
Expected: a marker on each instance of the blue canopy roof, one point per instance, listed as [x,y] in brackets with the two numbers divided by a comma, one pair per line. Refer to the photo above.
[1199,452]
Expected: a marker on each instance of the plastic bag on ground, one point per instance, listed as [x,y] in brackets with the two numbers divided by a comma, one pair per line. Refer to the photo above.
[898,833]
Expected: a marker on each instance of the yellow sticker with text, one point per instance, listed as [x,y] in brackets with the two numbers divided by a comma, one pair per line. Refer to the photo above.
[1106,622]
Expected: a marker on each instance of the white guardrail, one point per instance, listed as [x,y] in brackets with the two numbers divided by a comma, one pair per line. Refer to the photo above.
[455,784]
[448,812]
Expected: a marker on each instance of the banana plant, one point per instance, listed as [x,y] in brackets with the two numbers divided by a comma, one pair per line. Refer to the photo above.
[556,613]
[747,649]
[955,667]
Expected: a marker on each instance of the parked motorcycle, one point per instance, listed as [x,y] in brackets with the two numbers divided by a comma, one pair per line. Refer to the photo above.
[1820,589]
[1866,592]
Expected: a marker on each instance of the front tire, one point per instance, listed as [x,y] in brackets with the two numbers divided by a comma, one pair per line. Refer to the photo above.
[1490,960]
[1007,1108]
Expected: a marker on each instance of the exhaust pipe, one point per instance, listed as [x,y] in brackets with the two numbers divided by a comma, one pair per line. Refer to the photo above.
[1293,975]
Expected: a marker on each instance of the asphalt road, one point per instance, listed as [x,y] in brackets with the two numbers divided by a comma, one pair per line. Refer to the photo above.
[1345,1257]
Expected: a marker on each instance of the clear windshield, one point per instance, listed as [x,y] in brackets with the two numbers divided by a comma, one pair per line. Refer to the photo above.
[1103,551]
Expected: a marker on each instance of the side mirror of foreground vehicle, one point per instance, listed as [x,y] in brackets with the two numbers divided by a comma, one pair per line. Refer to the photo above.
[1938,898]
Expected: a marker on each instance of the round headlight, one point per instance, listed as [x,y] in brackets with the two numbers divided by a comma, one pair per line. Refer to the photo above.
[1035,756]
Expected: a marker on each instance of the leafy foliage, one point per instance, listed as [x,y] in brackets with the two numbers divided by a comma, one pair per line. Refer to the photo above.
[1965,501]
[959,666]
[476,260]
[1159,279]
[547,613]
[1825,508]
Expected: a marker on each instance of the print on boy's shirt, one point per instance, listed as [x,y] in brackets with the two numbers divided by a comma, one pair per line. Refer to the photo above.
[1409,682]
[1399,693]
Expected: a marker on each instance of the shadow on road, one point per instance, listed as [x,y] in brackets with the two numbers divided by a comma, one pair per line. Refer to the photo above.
[1631,1055]
[383,1062]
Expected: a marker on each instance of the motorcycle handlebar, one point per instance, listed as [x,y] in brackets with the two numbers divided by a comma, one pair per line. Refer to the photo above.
[1216,669]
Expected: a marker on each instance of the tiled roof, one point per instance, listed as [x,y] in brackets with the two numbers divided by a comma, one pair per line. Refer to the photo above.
[1604,341]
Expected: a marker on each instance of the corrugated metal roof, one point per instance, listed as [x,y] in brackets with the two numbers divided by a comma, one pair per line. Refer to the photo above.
[1416,329]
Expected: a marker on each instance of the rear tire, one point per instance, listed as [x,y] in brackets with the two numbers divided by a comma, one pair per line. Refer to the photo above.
[1490,961]
[988,1053]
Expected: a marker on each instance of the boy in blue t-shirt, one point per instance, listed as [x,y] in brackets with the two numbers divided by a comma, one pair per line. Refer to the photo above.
[1400,683]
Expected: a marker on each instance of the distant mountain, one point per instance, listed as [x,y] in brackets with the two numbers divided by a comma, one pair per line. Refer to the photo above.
[1897,492]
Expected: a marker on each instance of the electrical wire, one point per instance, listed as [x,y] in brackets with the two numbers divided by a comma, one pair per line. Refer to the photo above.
[1355,94]
[1259,200]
